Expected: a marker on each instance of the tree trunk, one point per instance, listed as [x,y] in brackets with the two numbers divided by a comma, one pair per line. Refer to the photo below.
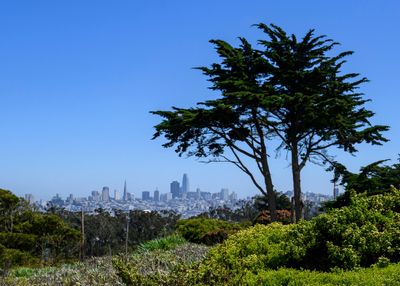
[271,196]
[296,183]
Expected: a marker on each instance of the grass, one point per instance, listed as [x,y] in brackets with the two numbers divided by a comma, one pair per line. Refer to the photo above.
[165,243]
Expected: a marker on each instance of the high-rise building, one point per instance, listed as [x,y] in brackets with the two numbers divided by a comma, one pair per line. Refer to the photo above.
[70,199]
[105,194]
[156,195]
[175,189]
[95,196]
[185,184]
[224,194]
[145,196]
[233,197]
[166,197]
[117,195]
[125,195]
[57,200]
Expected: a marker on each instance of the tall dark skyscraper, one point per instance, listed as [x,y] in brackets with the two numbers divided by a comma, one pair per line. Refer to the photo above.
[125,195]
[175,189]
[105,194]
[185,184]
[145,196]
[156,195]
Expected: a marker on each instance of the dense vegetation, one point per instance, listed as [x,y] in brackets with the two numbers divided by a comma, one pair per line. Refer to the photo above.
[29,237]
[358,244]
[364,234]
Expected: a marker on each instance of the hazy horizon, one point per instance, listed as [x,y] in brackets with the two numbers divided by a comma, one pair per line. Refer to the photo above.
[78,79]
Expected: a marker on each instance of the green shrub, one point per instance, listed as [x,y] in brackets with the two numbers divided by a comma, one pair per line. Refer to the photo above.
[359,235]
[160,267]
[164,243]
[21,241]
[214,237]
[13,257]
[93,272]
[194,229]
[366,277]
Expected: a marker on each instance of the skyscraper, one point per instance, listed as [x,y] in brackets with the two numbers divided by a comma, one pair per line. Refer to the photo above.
[175,189]
[185,184]
[224,194]
[145,196]
[117,195]
[156,195]
[125,195]
[105,194]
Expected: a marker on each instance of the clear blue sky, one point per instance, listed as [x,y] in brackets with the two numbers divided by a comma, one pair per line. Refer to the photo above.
[78,79]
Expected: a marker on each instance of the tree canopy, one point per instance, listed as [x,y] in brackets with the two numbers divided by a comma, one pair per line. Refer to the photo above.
[286,89]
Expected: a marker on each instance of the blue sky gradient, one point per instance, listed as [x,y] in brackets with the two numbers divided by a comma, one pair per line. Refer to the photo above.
[78,79]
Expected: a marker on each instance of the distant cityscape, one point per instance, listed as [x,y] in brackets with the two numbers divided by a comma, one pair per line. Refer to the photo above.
[179,199]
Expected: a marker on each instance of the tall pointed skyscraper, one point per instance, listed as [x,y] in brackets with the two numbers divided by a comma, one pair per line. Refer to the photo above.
[185,184]
[125,197]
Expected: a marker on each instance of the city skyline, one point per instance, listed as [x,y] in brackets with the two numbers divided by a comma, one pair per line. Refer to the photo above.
[107,192]
[78,79]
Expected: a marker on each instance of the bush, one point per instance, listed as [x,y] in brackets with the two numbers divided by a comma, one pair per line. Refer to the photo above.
[291,277]
[160,267]
[199,230]
[13,257]
[93,272]
[264,217]
[360,235]
[214,237]
[21,241]
[164,243]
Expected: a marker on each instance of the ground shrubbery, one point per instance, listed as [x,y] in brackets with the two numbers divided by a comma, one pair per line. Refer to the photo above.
[164,243]
[328,250]
[160,267]
[362,234]
[205,230]
[93,272]
[289,277]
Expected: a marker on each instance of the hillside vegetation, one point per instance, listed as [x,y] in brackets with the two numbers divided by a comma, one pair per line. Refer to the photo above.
[358,244]
[353,245]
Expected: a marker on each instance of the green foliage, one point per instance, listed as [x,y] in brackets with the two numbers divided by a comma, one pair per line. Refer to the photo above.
[105,233]
[290,88]
[13,257]
[282,202]
[194,229]
[21,241]
[164,243]
[289,277]
[374,178]
[28,236]
[93,272]
[160,267]
[363,234]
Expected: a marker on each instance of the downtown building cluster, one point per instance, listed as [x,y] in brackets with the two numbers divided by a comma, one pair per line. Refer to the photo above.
[180,199]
